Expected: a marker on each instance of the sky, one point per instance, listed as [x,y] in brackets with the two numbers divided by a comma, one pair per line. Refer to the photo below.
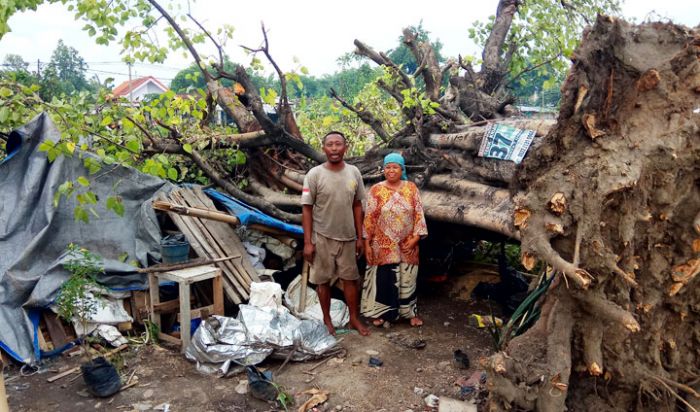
[301,33]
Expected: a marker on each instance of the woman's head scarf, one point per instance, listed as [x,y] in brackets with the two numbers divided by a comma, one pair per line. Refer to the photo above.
[398,159]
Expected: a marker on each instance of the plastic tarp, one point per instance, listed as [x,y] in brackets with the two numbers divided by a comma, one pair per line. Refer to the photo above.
[249,215]
[221,343]
[34,234]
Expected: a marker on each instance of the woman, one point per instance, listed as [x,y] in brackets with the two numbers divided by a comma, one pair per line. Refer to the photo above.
[394,223]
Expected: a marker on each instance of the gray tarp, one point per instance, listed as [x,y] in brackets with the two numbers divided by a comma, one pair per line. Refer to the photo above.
[34,234]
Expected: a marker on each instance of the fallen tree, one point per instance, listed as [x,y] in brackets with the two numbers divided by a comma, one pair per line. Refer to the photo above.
[618,175]
[608,198]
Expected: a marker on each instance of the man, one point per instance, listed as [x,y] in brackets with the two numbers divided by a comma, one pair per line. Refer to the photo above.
[332,219]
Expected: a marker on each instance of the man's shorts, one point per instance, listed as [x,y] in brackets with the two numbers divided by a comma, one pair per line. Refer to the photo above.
[333,259]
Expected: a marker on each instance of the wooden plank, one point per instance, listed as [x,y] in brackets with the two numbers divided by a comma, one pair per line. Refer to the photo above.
[185,315]
[154,294]
[211,247]
[196,313]
[232,288]
[198,245]
[169,306]
[43,345]
[304,281]
[140,302]
[4,407]
[169,338]
[77,368]
[191,275]
[55,327]
[214,247]
[218,293]
[193,263]
[195,211]
[225,235]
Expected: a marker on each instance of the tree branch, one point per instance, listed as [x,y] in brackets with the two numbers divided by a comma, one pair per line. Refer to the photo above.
[430,69]
[218,46]
[364,115]
[183,37]
[491,73]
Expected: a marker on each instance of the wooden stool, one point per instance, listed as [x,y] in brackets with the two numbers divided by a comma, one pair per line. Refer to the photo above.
[184,278]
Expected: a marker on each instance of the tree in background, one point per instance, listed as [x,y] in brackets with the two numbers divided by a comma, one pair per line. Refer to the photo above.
[65,73]
[402,55]
[15,68]
[191,78]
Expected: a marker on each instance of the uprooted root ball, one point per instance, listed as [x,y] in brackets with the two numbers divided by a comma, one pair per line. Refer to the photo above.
[612,203]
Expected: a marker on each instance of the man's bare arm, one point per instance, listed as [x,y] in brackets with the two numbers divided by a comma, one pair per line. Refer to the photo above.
[307,223]
[357,215]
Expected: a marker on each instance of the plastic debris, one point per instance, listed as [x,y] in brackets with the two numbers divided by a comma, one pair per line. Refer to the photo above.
[482,321]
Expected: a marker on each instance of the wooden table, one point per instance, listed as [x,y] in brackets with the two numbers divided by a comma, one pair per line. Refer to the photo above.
[184,278]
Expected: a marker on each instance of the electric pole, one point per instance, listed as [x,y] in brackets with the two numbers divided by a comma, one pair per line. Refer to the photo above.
[131,94]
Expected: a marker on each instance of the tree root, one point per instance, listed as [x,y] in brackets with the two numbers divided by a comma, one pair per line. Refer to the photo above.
[673,393]
[544,249]
[592,347]
[678,385]
[552,395]
[601,307]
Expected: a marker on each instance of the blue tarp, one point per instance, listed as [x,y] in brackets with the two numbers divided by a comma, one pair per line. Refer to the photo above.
[249,215]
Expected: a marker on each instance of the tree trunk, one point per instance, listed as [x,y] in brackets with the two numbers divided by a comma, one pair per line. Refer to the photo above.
[620,172]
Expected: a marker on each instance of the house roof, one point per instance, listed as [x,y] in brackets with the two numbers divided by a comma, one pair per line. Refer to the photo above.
[123,89]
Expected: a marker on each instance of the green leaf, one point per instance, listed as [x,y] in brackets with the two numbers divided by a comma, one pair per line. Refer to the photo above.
[91,198]
[115,204]
[70,146]
[133,145]
[240,158]
[46,145]
[83,181]
[80,214]
[5,92]
[106,121]
[187,148]
[127,124]
[4,114]
[172,173]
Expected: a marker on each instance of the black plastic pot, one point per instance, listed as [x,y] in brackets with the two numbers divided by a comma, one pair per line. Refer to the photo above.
[101,377]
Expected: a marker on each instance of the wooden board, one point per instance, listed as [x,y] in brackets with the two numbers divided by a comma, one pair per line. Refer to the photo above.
[213,239]
[55,327]
[202,249]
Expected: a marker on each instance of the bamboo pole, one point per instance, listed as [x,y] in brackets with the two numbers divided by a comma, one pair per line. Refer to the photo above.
[195,211]
[4,407]
[191,264]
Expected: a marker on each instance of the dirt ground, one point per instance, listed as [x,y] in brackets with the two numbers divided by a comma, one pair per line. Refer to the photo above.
[166,377]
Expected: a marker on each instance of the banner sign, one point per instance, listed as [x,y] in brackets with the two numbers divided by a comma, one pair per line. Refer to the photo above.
[505,142]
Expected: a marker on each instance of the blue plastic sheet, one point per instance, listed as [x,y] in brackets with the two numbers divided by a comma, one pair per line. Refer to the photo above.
[249,215]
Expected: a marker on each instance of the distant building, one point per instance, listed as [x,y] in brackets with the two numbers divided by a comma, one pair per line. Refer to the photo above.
[537,112]
[137,89]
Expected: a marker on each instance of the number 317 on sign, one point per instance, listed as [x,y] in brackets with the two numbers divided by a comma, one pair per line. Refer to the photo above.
[506,143]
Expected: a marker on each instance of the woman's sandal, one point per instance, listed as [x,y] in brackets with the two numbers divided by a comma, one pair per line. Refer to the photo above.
[416,321]
[378,322]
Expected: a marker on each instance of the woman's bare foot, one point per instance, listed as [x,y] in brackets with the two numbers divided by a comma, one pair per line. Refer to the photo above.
[378,322]
[357,324]
[416,321]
